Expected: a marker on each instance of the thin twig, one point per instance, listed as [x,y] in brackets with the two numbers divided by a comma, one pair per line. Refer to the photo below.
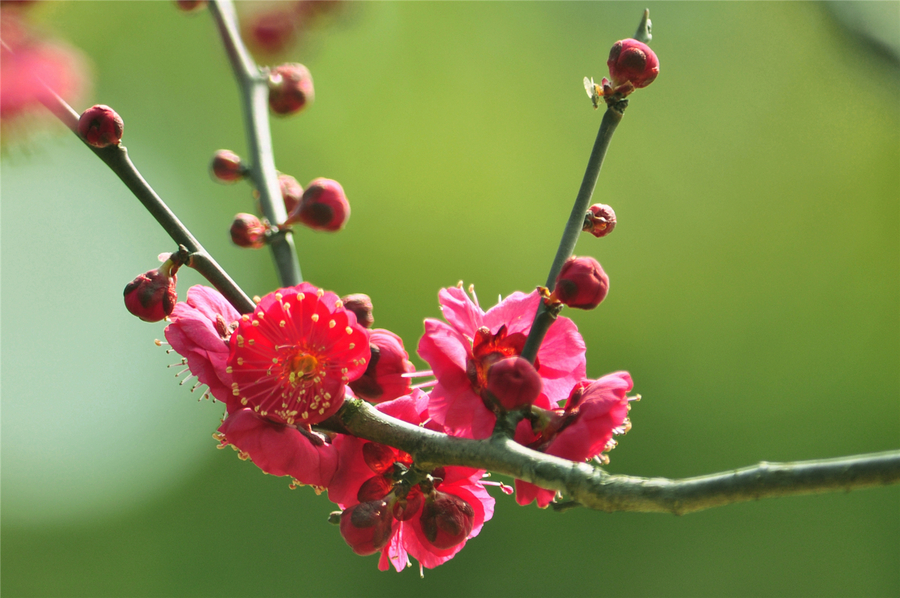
[544,318]
[117,159]
[253,84]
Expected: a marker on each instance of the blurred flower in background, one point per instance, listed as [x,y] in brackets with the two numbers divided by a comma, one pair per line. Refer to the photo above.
[30,63]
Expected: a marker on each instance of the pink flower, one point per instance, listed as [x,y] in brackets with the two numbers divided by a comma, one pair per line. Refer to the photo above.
[292,358]
[581,430]
[199,332]
[280,450]
[461,351]
[31,67]
[429,521]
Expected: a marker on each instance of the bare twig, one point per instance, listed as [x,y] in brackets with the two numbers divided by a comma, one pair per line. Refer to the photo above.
[253,84]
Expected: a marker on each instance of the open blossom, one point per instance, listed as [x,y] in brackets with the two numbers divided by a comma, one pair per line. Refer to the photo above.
[581,430]
[199,331]
[292,358]
[461,351]
[429,521]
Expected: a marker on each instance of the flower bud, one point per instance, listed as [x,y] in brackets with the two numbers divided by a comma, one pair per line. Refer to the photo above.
[446,520]
[634,61]
[600,220]
[581,283]
[514,382]
[361,305]
[383,379]
[366,527]
[152,295]
[290,88]
[322,207]
[226,167]
[271,32]
[190,5]
[100,126]
[248,231]
[291,192]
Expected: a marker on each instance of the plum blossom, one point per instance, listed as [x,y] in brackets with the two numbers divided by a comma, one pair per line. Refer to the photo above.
[581,430]
[199,331]
[429,521]
[461,351]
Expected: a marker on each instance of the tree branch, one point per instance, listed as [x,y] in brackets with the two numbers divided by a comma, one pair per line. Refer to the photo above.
[592,487]
[117,159]
[254,88]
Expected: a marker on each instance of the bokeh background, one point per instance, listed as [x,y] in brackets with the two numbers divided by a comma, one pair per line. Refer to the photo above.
[755,288]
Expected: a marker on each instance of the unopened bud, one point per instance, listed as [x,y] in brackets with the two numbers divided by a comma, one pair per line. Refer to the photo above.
[600,220]
[291,192]
[100,126]
[366,527]
[632,61]
[581,283]
[514,382]
[290,88]
[383,379]
[190,5]
[322,207]
[152,295]
[446,520]
[248,231]
[271,32]
[226,167]
[361,306]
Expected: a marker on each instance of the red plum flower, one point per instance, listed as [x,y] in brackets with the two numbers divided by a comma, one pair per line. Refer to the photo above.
[581,283]
[280,450]
[429,521]
[199,331]
[461,351]
[581,430]
[292,358]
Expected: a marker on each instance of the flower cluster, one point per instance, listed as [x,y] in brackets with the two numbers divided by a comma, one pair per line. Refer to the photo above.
[288,366]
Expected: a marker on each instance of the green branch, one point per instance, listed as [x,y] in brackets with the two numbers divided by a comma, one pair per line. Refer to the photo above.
[254,88]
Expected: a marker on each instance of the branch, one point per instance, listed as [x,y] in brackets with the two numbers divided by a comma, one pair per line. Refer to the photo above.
[594,488]
[254,88]
[116,158]
[544,318]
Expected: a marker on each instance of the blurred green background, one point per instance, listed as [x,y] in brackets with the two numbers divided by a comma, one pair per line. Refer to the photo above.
[755,289]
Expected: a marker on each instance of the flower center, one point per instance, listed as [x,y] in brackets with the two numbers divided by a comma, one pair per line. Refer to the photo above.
[302,367]
[488,348]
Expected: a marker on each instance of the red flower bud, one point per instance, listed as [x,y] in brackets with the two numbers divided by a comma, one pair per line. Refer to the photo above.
[290,88]
[226,167]
[190,5]
[152,295]
[361,305]
[366,527]
[634,61]
[291,192]
[248,231]
[446,520]
[383,379]
[514,382]
[600,220]
[100,126]
[322,207]
[581,283]
[272,31]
